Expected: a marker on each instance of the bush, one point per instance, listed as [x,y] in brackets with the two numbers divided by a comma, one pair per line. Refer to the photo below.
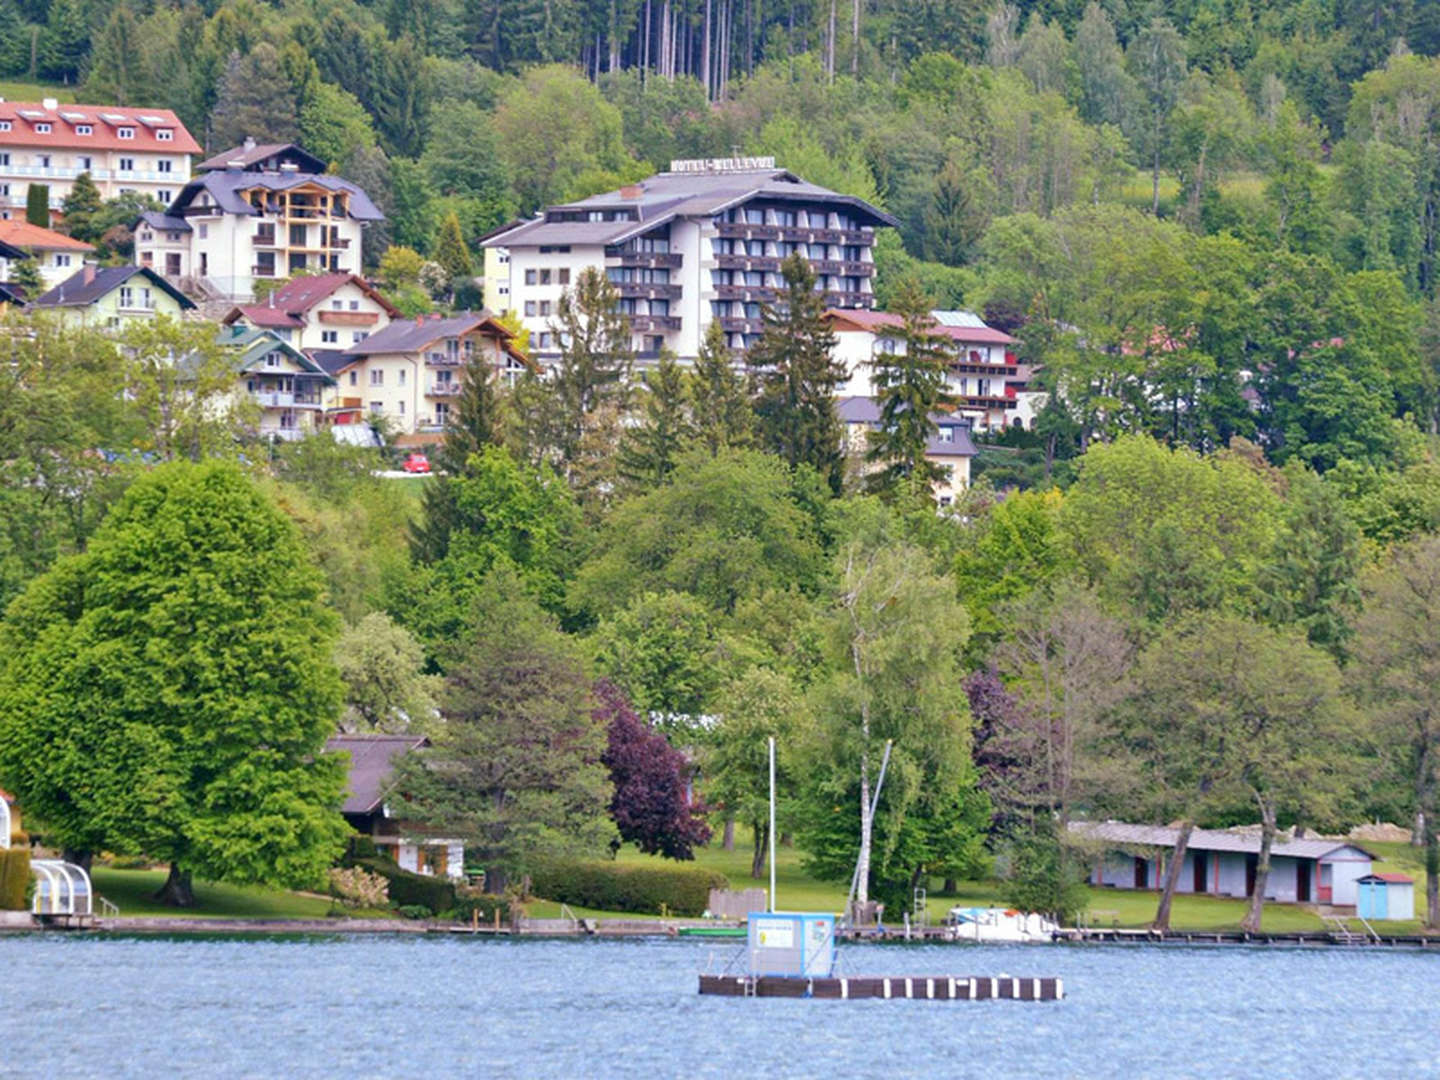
[129,862]
[362,847]
[482,905]
[414,911]
[14,877]
[357,887]
[407,889]
[681,890]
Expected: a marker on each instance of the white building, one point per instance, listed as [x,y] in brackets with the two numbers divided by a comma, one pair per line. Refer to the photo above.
[256,212]
[146,151]
[950,449]
[701,242]
[990,388]
[57,256]
[319,311]
[1223,863]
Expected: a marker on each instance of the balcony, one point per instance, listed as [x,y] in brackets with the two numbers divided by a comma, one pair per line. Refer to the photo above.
[339,243]
[443,389]
[263,271]
[650,323]
[858,269]
[348,318]
[744,230]
[747,262]
[284,434]
[645,290]
[264,238]
[284,399]
[653,260]
[850,299]
[757,293]
[444,359]
[984,401]
[742,326]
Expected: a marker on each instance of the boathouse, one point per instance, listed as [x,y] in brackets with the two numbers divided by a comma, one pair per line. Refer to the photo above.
[1220,862]
[1386,896]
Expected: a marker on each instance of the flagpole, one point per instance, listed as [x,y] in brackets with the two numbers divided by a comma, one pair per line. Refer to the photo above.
[772,823]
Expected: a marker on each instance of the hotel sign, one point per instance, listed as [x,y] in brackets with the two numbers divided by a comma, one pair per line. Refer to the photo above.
[730,164]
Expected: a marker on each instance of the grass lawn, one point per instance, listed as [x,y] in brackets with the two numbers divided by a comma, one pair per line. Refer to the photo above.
[131,891]
[36,91]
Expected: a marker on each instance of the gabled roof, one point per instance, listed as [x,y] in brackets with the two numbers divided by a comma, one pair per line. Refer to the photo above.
[253,344]
[225,186]
[164,222]
[10,251]
[1246,843]
[864,410]
[90,284]
[263,156]
[10,293]
[877,322]
[104,121]
[286,307]
[1389,879]
[372,763]
[413,335]
[20,233]
[332,361]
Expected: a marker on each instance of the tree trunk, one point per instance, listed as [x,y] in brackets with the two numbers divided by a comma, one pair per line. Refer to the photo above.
[1251,923]
[705,60]
[728,843]
[176,892]
[757,860]
[1172,877]
[1432,878]
[855,42]
[951,887]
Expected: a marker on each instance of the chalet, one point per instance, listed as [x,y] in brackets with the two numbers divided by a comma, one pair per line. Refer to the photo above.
[110,297]
[1223,863]
[281,381]
[319,311]
[373,807]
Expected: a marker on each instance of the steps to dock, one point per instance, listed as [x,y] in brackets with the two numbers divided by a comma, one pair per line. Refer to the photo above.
[890,987]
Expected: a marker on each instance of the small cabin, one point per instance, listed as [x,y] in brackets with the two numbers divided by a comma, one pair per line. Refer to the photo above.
[1385,896]
[792,943]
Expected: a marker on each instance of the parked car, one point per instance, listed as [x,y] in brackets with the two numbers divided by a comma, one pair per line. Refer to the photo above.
[416,463]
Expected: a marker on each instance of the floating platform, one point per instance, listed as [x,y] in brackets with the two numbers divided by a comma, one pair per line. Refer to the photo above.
[913,987]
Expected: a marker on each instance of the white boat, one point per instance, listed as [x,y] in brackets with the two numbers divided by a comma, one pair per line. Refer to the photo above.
[991,925]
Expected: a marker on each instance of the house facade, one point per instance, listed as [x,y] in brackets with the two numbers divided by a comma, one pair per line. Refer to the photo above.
[989,386]
[1223,863]
[111,297]
[701,242]
[146,151]
[57,256]
[319,311]
[256,212]
[951,449]
[374,808]
[286,388]
[408,374]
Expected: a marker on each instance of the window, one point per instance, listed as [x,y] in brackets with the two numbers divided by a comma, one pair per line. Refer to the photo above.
[127,164]
[377,377]
[164,135]
[530,308]
[164,165]
[400,406]
[172,237]
[42,129]
[62,260]
[272,359]
[565,275]
[84,129]
[545,339]
[354,305]
[43,160]
[354,378]
[544,277]
[164,195]
[127,296]
[172,264]
[125,133]
[544,307]
[204,230]
[146,300]
[946,434]
[147,259]
[402,376]
[358,336]
[529,277]
[5,160]
[4,125]
[336,305]
[4,189]
[84,161]
[298,235]
[329,337]
[547,249]
[377,408]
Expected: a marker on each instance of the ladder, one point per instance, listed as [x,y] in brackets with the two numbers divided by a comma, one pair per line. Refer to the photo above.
[1340,931]
[920,908]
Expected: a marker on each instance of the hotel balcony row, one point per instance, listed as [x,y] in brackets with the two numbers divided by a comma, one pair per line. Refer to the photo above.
[623,255]
[741,230]
[772,263]
[647,290]
[268,238]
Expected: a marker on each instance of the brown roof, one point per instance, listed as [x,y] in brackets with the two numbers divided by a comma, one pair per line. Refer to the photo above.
[876,321]
[286,306]
[372,761]
[24,235]
[104,122]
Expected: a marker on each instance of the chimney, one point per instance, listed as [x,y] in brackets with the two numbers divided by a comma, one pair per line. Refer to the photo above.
[50,103]
[419,320]
[632,191]
[87,273]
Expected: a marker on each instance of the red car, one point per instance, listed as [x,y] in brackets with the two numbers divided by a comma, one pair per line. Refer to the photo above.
[416,463]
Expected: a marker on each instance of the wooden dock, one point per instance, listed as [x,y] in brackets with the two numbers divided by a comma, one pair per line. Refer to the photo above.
[888,987]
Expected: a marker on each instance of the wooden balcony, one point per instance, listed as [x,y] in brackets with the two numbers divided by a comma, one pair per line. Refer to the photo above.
[747,262]
[850,299]
[645,290]
[744,230]
[757,293]
[650,323]
[652,260]
[265,238]
[348,318]
[742,326]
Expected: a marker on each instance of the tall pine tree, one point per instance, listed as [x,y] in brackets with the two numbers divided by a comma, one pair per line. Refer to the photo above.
[450,252]
[650,449]
[798,373]
[909,387]
[82,208]
[723,417]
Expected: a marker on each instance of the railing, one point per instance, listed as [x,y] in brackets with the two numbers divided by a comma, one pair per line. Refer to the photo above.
[262,271]
[443,389]
[284,399]
[136,305]
[440,359]
[645,290]
[264,238]
[850,299]
[642,323]
[109,910]
[649,259]
[283,434]
[759,293]
[747,262]
[742,326]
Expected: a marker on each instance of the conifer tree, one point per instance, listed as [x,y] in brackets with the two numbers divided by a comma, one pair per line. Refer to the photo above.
[27,275]
[648,451]
[722,416]
[81,208]
[37,205]
[909,387]
[450,251]
[65,41]
[798,374]
[255,99]
[117,66]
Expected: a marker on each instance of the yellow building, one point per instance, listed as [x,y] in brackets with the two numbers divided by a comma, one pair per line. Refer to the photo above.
[109,297]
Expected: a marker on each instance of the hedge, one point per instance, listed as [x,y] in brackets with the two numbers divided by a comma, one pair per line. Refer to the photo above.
[411,890]
[483,905]
[14,877]
[681,890]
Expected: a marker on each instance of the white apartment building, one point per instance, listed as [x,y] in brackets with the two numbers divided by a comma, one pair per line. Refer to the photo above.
[123,149]
[990,388]
[701,242]
[254,212]
[319,311]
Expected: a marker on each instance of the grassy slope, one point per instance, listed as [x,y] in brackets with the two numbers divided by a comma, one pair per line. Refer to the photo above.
[131,890]
[36,91]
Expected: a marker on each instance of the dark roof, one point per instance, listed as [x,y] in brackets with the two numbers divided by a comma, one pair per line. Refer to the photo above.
[330,361]
[252,344]
[157,219]
[669,195]
[513,223]
[412,335]
[10,293]
[372,760]
[864,410]
[225,187]
[76,291]
[10,251]
[1248,843]
[252,154]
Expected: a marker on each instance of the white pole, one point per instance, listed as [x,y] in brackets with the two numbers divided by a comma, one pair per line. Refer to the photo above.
[772,823]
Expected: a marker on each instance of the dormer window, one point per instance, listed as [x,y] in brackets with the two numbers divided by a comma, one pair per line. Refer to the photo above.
[42,129]
[4,125]
[165,135]
[84,129]
[125,133]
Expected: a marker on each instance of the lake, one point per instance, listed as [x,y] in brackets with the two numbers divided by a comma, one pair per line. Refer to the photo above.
[417,1007]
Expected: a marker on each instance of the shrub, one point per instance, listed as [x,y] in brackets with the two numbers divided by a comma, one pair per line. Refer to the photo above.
[356,887]
[681,890]
[407,889]
[482,905]
[14,877]
[414,911]
[129,862]
[362,847]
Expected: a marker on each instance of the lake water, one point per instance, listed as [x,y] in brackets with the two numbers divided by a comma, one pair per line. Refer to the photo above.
[82,1006]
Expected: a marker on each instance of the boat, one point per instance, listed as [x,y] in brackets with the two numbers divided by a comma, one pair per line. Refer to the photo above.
[999,926]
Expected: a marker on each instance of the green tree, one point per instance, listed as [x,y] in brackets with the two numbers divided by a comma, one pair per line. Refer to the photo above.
[515,769]
[124,725]
[1156,58]
[37,205]
[798,375]
[663,650]
[254,99]
[65,41]
[118,71]
[910,388]
[82,208]
[721,413]
[26,272]
[181,381]
[334,125]
[650,449]
[462,158]
[382,668]
[451,253]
